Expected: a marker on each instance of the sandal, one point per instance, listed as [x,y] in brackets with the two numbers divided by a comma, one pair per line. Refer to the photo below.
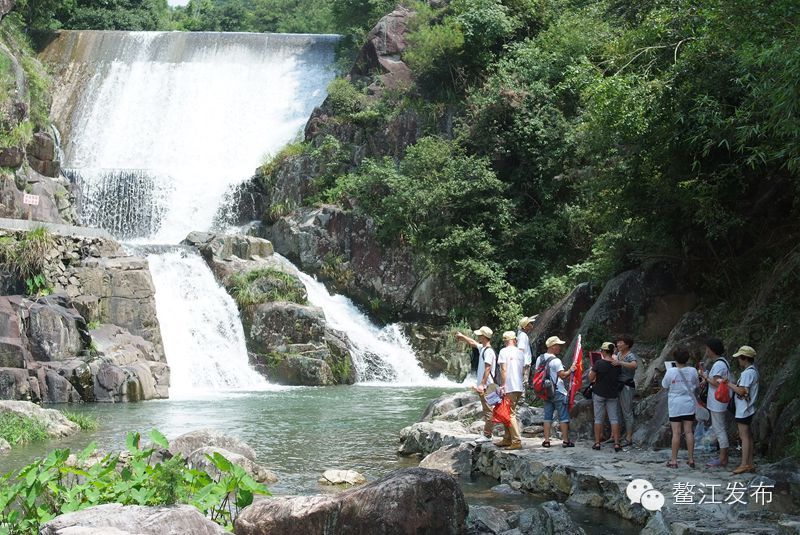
[546,443]
[568,444]
[672,464]
[691,464]
[617,448]
[596,446]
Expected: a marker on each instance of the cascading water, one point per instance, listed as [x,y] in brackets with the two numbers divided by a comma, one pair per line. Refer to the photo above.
[380,355]
[200,326]
[192,113]
[157,128]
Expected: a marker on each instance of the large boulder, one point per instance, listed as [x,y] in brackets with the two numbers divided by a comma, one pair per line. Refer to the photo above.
[228,254]
[652,429]
[382,51]
[690,333]
[277,325]
[291,344]
[55,330]
[455,460]
[116,519]
[461,406]
[648,302]
[56,424]
[124,293]
[436,351]
[189,442]
[408,501]
[563,318]
[425,437]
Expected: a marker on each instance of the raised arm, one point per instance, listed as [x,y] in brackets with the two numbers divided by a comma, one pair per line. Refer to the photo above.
[464,338]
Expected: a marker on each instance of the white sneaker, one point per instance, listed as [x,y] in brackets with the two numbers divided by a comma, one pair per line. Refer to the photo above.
[482,439]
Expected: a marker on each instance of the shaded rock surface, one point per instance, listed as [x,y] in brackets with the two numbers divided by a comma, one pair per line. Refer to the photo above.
[343,251]
[49,355]
[453,460]
[407,501]
[436,351]
[133,519]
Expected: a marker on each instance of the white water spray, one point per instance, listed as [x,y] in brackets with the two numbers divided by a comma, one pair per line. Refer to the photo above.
[200,326]
[380,355]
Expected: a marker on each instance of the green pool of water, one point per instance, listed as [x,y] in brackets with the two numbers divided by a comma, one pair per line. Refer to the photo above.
[298,433]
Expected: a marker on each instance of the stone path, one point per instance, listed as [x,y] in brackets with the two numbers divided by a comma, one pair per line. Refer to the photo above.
[701,500]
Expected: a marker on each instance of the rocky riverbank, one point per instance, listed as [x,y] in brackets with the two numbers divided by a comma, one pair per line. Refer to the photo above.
[94,338]
[583,476]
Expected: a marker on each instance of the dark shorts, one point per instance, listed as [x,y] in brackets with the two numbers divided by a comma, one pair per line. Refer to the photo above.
[746,420]
[684,418]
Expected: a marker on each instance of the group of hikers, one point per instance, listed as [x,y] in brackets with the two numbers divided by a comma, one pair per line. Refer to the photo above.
[511,373]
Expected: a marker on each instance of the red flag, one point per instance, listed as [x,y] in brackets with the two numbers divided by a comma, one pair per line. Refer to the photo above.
[576,379]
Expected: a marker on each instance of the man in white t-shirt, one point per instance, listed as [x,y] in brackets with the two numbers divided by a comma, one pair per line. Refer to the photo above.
[485,375]
[720,370]
[524,343]
[511,363]
[559,401]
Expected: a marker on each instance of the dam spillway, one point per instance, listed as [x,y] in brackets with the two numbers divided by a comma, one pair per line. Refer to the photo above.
[181,117]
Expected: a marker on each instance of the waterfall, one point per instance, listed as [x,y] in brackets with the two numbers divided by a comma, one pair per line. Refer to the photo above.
[193,113]
[157,127]
[200,326]
[380,355]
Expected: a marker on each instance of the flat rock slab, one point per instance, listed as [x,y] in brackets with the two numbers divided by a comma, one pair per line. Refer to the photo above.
[342,477]
[114,518]
[592,478]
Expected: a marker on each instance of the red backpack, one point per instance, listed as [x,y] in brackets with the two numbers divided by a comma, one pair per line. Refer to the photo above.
[541,383]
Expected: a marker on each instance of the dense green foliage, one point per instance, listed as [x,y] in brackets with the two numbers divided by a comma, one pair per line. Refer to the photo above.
[56,485]
[263,285]
[24,81]
[95,14]
[16,429]
[285,16]
[589,137]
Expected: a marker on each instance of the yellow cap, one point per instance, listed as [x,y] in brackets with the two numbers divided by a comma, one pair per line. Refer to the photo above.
[484,331]
[746,351]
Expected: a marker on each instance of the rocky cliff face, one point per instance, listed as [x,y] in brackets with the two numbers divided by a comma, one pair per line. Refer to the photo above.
[331,241]
[95,339]
[28,150]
